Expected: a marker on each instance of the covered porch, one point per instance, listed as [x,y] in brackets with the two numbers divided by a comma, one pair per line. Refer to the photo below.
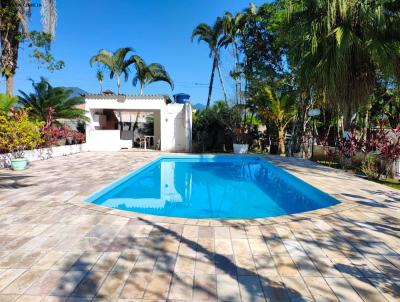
[133,128]
[146,122]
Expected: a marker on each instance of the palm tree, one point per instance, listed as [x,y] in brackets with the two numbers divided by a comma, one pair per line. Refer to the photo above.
[147,74]
[232,26]
[341,45]
[47,97]
[215,38]
[280,108]
[13,27]
[100,78]
[115,62]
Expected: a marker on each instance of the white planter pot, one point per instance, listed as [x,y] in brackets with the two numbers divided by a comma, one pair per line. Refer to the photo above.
[298,154]
[240,148]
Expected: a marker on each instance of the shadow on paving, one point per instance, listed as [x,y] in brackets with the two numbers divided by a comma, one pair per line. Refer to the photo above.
[356,252]
[366,258]
[13,181]
[150,258]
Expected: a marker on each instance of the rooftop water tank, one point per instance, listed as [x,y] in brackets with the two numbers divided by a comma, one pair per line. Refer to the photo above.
[181,98]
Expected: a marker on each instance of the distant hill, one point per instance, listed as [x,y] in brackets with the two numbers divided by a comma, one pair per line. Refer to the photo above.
[199,106]
[76,91]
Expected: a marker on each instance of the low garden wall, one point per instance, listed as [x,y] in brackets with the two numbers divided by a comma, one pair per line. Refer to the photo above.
[44,153]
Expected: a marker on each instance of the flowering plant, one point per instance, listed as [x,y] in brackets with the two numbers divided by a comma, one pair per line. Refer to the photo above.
[18,133]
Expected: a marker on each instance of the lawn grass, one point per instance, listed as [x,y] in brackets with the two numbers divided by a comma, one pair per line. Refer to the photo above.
[392,183]
[389,182]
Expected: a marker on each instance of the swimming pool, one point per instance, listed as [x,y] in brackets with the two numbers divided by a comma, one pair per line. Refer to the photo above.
[214,186]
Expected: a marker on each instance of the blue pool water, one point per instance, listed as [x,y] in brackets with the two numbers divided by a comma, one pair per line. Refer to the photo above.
[212,187]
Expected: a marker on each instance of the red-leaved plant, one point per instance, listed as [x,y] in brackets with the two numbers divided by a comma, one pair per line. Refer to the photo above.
[386,142]
[52,133]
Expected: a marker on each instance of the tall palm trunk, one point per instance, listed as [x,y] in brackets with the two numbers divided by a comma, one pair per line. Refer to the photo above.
[101,86]
[10,85]
[281,140]
[366,125]
[141,88]
[222,83]
[237,78]
[118,83]
[341,125]
[210,87]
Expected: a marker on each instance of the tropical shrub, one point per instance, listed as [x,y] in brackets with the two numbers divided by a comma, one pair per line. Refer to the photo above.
[7,102]
[370,166]
[349,146]
[19,133]
[214,127]
[277,106]
[46,96]
[386,142]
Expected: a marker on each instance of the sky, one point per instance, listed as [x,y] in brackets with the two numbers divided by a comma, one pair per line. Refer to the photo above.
[158,30]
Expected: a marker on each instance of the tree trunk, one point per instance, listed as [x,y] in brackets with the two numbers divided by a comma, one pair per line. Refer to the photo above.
[9,41]
[237,74]
[211,82]
[141,88]
[101,87]
[341,126]
[222,83]
[10,85]
[366,124]
[281,140]
[118,84]
[346,120]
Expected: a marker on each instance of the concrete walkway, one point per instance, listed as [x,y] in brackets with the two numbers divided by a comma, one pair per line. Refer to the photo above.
[55,247]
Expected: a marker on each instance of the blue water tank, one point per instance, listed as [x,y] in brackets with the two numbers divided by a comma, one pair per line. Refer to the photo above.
[181,98]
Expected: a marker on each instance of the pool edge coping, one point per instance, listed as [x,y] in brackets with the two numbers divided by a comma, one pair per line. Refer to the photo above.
[343,205]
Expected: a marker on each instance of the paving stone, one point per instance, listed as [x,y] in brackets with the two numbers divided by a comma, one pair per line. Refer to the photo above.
[250,288]
[205,287]
[89,285]
[55,247]
[23,282]
[320,289]
[343,290]
[227,288]
[9,276]
[297,289]
[181,287]
[136,285]
[112,286]
[158,287]
[46,284]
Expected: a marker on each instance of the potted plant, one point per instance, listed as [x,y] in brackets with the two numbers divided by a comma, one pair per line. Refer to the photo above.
[240,145]
[17,134]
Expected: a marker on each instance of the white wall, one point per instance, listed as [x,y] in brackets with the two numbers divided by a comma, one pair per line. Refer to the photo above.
[173,133]
[103,140]
[44,153]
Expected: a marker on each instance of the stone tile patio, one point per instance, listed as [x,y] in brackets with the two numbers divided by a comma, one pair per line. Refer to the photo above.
[55,247]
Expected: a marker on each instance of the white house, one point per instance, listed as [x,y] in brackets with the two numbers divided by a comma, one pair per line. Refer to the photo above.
[112,119]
